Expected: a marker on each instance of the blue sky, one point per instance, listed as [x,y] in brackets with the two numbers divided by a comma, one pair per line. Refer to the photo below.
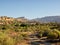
[29,8]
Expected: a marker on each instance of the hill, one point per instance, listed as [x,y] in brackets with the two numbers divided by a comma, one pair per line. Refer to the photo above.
[21,19]
[11,20]
[48,19]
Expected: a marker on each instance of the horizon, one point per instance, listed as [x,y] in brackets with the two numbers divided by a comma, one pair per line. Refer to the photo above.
[32,18]
[29,8]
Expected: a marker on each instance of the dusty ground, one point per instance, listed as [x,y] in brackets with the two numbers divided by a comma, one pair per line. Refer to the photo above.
[23,43]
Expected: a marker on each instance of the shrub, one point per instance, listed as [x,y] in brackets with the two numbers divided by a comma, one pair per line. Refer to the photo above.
[45,32]
[5,39]
[58,32]
[52,35]
[39,34]
[20,37]
[23,25]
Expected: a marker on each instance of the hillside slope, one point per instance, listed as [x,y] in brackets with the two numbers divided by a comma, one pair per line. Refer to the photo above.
[48,19]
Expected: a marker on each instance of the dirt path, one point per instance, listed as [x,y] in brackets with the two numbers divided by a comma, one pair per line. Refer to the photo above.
[33,40]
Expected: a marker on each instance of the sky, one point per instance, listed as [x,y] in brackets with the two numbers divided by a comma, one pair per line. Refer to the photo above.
[29,8]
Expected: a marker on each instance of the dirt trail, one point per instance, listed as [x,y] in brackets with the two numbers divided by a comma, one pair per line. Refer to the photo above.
[33,40]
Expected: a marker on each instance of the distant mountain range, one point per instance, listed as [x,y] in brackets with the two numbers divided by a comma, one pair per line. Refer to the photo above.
[23,19]
[48,19]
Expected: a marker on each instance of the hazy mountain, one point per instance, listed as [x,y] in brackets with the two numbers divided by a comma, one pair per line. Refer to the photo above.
[48,19]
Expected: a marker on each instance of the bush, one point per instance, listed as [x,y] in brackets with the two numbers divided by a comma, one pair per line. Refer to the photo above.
[20,37]
[57,32]
[23,25]
[52,35]
[5,39]
[39,34]
[45,33]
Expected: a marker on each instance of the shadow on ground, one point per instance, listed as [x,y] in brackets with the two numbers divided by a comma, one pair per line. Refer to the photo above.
[39,43]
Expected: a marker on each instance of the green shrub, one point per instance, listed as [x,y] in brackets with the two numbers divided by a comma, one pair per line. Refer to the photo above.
[52,35]
[5,39]
[57,32]
[39,34]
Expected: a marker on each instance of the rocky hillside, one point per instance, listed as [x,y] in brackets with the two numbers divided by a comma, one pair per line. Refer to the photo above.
[21,19]
[9,20]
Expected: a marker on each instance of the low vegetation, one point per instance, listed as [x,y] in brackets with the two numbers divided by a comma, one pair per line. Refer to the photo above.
[12,33]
